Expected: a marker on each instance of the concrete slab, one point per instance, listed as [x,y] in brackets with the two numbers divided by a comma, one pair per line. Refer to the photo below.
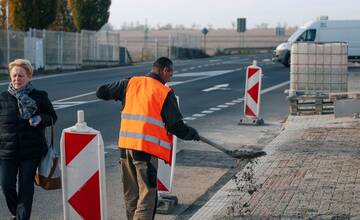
[347,108]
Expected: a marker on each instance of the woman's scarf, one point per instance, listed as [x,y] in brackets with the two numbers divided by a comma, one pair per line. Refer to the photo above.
[27,106]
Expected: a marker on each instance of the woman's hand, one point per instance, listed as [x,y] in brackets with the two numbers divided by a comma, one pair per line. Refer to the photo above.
[35,120]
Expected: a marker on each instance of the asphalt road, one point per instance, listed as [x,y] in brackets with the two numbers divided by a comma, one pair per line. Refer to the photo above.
[73,91]
[210,91]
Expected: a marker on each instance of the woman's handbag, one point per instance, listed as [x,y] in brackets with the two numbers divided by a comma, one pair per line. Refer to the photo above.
[48,175]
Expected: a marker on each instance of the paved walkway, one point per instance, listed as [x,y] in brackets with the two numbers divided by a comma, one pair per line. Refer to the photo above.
[312,170]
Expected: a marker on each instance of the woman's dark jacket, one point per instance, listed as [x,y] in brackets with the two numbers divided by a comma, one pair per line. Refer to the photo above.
[18,140]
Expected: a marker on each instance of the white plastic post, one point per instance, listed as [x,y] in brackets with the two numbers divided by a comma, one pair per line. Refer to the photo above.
[166,171]
[254,63]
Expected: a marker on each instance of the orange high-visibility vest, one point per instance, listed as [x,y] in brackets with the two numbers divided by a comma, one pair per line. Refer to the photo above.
[142,127]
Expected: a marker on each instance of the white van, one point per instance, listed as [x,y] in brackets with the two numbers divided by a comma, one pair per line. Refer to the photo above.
[323,30]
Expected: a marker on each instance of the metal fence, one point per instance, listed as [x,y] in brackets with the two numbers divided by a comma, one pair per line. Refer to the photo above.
[242,41]
[65,50]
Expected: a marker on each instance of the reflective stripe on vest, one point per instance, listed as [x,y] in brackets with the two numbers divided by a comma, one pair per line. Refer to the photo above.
[145,137]
[142,118]
[142,127]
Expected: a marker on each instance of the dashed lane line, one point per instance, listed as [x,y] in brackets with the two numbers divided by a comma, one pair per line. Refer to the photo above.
[198,115]
[189,118]
[232,103]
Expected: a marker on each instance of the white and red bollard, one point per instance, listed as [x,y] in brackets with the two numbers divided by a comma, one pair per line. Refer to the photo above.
[166,201]
[165,176]
[166,172]
[252,96]
[83,172]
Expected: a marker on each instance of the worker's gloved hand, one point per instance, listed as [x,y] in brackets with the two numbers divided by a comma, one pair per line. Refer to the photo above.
[192,134]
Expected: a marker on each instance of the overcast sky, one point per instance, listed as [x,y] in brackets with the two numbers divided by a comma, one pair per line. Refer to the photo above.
[221,13]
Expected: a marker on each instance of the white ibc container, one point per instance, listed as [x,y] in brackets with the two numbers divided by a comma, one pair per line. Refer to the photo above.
[327,49]
[311,48]
[336,59]
[320,49]
[319,59]
[327,59]
[319,78]
[319,67]
[327,78]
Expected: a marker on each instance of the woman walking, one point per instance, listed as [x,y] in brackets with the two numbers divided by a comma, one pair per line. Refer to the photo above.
[24,114]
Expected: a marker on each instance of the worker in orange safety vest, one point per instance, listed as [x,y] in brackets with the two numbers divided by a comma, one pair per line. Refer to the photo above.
[149,117]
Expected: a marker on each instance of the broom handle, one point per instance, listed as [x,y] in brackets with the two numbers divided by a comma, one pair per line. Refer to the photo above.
[213,144]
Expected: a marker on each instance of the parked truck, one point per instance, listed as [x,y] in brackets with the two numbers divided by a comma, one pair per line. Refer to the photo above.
[323,31]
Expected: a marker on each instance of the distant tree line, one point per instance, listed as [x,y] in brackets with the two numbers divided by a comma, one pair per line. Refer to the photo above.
[60,15]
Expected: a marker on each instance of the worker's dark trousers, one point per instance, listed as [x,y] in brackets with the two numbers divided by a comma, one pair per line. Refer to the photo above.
[140,189]
[19,203]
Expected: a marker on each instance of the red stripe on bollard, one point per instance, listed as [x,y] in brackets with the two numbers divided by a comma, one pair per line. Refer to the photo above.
[252,71]
[80,201]
[254,92]
[74,144]
[161,186]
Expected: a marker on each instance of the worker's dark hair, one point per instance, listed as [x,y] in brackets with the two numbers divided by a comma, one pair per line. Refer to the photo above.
[163,62]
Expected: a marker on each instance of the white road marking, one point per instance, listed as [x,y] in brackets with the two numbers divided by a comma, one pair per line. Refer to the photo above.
[198,115]
[112,147]
[205,73]
[266,60]
[230,103]
[61,105]
[183,70]
[174,83]
[191,68]
[237,101]
[189,118]
[275,87]
[222,106]
[200,66]
[207,112]
[217,87]
[205,77]
[74,97]
[215,109]
[214,60]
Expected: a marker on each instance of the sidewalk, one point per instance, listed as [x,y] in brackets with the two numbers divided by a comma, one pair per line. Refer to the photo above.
[312,170]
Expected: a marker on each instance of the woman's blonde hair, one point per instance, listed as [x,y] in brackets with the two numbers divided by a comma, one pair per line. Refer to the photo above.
[25,64]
